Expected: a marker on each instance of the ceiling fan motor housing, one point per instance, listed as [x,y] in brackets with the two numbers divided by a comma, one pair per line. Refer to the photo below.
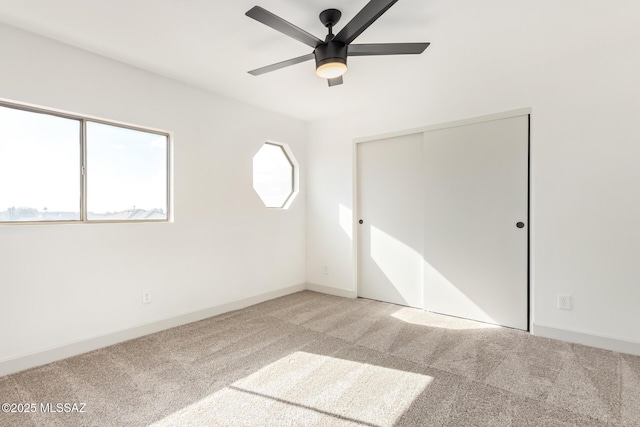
[331,52]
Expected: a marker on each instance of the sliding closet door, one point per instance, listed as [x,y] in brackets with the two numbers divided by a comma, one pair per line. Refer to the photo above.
[390,230]
[475,192]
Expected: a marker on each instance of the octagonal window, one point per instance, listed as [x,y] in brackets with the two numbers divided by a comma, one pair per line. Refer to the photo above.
[274,175]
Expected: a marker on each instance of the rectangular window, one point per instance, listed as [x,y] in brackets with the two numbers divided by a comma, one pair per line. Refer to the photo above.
[59,167]
[126,173]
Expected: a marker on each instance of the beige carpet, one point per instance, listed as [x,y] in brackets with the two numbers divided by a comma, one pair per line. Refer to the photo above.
[310,359]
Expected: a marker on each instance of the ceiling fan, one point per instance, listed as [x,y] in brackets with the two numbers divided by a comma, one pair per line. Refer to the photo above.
[331,54]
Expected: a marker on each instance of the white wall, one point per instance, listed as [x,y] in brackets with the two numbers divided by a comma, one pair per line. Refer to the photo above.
[64,283]
[576,64]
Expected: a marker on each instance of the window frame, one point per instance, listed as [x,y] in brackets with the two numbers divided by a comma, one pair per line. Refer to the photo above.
[294,175]
[82,165]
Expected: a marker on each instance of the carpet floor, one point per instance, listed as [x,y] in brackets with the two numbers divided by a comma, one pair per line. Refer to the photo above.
[310,359]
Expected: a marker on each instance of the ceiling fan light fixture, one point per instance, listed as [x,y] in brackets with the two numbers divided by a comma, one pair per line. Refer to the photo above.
[331,70]
[331,60]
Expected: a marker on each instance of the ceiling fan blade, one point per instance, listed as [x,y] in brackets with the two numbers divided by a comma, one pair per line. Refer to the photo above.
[282,64]
[335,81]
[367,16]
[387,49]
[279,24]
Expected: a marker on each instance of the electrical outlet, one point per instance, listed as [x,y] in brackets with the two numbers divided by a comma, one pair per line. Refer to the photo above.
[564,302]
[325,270]
[146,297]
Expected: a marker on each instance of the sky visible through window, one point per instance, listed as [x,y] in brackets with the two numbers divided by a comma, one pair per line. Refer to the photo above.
[272,175]
[126,169]
[39,162]
[40,169]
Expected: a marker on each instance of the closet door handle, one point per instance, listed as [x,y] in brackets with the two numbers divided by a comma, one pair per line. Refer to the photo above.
[520,224]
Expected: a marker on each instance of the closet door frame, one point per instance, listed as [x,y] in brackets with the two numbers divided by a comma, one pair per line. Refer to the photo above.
[479,119]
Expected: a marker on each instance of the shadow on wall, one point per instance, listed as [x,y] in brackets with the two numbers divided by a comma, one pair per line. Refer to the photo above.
[396,269]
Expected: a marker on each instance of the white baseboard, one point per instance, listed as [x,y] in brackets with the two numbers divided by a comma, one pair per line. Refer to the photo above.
[593,340]
[31,360]
[346,293]
[19,363]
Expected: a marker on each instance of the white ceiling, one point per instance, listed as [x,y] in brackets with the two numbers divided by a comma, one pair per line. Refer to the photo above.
[212,45]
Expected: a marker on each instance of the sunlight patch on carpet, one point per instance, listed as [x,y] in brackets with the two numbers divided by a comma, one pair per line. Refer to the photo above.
[309,389]
[424,318]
